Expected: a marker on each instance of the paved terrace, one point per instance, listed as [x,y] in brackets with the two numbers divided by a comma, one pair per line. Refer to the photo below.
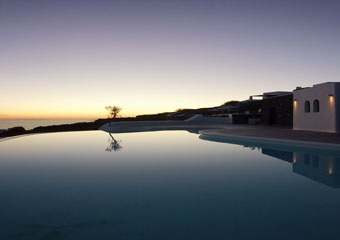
[212,128]
[275,132]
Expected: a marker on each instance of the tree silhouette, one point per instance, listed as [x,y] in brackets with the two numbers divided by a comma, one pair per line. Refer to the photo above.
[113,111]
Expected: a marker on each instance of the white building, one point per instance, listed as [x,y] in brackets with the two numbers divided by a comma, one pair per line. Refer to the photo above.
[317,108]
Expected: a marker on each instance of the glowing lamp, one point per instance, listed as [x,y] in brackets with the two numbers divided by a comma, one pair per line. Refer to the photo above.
[295,103]
[331,99]
[330,171]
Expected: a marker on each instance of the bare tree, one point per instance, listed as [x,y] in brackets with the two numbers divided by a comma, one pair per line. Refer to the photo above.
[113,111]
[114,144]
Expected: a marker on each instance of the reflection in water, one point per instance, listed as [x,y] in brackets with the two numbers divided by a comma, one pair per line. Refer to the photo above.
[321,168]
[318,165]
[113,144]
[163,185]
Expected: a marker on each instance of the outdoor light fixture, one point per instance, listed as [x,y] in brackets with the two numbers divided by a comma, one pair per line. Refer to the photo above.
[331,98]
[295,104]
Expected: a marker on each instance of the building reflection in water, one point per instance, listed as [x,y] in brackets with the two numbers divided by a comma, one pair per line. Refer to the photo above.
[319,165]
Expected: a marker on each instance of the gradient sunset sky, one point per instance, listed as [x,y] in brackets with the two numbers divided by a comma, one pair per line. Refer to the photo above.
[70,59]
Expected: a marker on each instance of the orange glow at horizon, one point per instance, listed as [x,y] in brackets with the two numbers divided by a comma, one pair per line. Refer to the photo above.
[66,116]
[78,104]
[76,114]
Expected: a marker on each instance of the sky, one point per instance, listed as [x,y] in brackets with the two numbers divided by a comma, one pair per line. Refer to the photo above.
[70,59]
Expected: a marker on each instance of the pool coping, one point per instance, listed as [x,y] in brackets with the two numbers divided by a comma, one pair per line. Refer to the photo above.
[268,140]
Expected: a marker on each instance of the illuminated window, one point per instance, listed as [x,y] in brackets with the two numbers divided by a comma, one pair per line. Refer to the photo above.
[307,106]
[316,106]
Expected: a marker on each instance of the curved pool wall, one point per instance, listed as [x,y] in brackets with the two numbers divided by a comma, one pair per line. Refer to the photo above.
[197,121]
[199,126]
[270,142]
[130,127]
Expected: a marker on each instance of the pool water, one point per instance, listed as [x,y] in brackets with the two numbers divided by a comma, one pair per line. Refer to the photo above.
[164,185]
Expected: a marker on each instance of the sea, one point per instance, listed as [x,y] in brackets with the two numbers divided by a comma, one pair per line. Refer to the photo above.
[32,123]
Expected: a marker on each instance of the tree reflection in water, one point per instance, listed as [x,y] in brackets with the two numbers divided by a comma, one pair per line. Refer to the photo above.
[114,145]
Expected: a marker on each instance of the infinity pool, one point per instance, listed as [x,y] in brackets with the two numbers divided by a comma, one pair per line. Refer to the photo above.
[164,185]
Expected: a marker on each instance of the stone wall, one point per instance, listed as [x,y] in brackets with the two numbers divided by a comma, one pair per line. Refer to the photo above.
[278,110]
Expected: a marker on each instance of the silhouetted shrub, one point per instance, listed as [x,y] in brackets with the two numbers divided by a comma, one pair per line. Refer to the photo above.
[231,103]
[152,117]
[16,130]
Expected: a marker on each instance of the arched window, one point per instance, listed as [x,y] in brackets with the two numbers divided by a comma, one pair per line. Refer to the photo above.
[316,106]
[307,106]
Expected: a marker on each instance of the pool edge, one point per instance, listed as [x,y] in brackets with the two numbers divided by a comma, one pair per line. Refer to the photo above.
[267,140]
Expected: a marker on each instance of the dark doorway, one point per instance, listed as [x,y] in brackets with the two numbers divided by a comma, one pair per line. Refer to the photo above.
[272,116]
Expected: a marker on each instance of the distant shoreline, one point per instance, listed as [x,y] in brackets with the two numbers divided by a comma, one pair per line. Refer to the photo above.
[79,126]
[30,124]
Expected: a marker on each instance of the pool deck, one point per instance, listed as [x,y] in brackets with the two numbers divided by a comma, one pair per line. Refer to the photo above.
[267,132]
[253,132]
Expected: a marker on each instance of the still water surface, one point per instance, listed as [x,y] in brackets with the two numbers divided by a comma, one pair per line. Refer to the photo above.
[164,185]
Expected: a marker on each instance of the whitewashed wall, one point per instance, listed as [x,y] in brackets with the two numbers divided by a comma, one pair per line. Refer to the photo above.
[325,120]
